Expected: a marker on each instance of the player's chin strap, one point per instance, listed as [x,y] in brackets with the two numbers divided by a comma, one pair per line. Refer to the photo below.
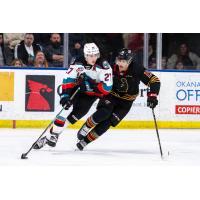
[24,155]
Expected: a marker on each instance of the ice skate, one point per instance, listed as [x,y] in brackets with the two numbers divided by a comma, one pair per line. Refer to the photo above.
[52,140]
[40,143]
[81,145]
[83,132]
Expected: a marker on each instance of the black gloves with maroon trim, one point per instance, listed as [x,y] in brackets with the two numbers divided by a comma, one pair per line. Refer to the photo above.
[65,101]
[152,100]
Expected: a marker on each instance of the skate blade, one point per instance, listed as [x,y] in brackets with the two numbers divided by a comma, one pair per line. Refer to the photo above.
[77,150]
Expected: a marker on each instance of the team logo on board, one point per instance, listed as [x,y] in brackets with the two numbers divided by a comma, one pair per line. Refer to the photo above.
[40,91]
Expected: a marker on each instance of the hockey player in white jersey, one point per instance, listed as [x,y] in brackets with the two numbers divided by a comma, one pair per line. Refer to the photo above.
[94,78]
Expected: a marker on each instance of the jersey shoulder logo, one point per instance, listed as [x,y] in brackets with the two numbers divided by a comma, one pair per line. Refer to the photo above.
[148,74]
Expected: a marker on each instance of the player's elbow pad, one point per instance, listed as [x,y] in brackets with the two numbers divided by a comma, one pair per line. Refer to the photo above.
[103,88]
[68,83]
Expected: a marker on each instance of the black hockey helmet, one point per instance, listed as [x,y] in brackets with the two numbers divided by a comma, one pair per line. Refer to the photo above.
[125,54]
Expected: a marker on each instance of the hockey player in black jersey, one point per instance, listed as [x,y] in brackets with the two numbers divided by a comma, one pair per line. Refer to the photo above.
[112,108]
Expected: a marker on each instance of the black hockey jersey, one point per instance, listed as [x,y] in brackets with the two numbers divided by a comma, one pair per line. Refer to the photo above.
[126,85]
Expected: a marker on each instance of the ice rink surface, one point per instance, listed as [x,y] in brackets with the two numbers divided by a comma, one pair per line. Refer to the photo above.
[116,147]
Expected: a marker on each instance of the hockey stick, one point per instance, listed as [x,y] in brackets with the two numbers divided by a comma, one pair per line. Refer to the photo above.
[24,155]
[155,122]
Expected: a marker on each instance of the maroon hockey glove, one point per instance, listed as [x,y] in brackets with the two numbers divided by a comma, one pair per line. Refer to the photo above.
[152,101]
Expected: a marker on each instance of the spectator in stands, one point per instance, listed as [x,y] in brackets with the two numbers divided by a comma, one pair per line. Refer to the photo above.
[179,65]
[54,51]
[133,41]
[2,55]
[10,40]
[152,63]
[17,63]
[151,54]
[13,39]
[6,54]
[164,62]
[42,39]
[27,49]
[9,55]
[189,59]
[76,44]
[40,60]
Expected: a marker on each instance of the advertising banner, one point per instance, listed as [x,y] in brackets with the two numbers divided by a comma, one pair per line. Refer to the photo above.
[31,95]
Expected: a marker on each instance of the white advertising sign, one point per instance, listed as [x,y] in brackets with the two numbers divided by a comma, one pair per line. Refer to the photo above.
[179,98]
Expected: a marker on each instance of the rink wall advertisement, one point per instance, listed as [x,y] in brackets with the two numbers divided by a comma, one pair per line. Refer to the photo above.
[28,94]
[40,93]
[34,94]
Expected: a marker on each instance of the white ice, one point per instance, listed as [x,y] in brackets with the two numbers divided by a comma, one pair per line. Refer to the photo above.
[116,147]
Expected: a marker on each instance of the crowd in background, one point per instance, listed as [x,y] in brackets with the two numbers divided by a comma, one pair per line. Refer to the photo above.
[179,51]
[31,50]
[46,49]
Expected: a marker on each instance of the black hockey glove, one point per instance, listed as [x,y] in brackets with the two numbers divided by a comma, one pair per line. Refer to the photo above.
[152,101]
[65,102]
[85,87]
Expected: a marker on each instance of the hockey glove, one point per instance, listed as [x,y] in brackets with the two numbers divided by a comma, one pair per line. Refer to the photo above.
[65,101]
[152,101]
[85,85]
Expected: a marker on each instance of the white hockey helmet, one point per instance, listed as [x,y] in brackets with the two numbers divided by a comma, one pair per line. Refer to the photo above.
[91,49]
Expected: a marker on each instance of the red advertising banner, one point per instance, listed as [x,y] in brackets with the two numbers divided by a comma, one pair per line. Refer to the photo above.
[188,109]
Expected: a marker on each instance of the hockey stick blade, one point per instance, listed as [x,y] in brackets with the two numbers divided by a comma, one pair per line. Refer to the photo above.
[166,156]
[24,156]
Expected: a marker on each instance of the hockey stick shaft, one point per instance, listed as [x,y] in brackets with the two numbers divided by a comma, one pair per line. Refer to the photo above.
[156,127]
[71,98]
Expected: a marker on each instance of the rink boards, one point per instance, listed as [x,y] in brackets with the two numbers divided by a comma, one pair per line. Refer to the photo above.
[29,97]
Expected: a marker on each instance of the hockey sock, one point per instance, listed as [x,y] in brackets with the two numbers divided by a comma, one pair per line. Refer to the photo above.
[91,136]
[85,129]
[90,123]
[59,124]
